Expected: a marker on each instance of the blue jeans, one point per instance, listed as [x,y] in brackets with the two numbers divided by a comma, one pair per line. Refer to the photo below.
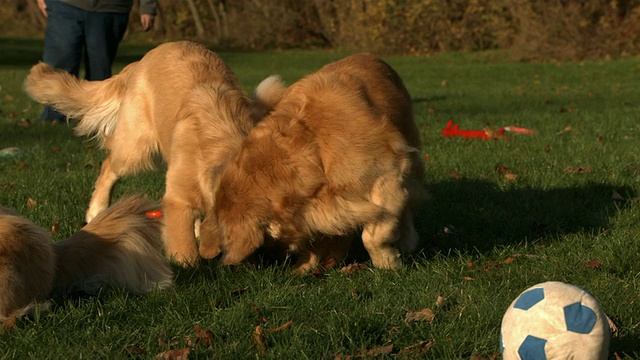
[73,35]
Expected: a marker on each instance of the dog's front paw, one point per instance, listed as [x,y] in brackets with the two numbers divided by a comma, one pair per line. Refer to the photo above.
[209,250]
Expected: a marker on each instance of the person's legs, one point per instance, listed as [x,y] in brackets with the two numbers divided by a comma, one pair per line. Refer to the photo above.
[104,32]
[63,42]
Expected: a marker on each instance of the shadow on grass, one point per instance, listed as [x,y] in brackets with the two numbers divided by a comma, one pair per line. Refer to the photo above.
[477,215]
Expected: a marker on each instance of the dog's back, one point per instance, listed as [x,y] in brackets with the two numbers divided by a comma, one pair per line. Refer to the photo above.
[27,264]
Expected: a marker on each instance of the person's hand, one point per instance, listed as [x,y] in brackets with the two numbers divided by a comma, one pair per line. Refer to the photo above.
[43,7]
[145,19]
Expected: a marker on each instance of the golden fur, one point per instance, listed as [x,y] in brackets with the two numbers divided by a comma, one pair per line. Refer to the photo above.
[121,248]
[172,103]
[339,153]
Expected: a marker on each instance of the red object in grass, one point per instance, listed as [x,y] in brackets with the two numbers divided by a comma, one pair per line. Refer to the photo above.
[453,130]
[156,214]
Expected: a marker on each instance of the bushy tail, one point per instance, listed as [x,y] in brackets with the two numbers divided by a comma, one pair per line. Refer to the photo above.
[120,247]
[95,103]
[269,92]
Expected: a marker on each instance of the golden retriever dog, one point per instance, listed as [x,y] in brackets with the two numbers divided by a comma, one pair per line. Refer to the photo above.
[160,105]
[339,153]
[121,247]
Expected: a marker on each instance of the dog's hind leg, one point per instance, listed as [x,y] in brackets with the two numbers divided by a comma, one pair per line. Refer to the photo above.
[380,237]
[102,192]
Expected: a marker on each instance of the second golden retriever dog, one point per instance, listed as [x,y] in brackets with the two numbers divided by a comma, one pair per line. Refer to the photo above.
[160,105]
[121,247]
[339,153]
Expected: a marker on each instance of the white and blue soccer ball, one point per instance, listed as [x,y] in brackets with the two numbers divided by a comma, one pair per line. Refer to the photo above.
[554,320]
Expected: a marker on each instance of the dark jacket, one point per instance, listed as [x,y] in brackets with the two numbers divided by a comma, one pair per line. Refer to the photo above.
[114,6]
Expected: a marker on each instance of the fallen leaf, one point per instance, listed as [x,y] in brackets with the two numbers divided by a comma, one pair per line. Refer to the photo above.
[203,336]
[425,314]
[258,339]
[618,357]
[380,350]
[565,130]
[510,176]
[352,268]
[354,293]
[133,350]
[22,165]
[469,265]
[8,97]
[419,348]
[178,354]
[234,292]
[282,327]
[426,157]
[593,264]
[456,175]
[468,278]
[501,169]
[440,300]
[55,228]
[577,169]
[25,123]
[261,316]
[31,203]
[56,149]
[547,148]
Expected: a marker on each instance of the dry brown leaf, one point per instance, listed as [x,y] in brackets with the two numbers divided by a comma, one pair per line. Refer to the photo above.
[421,347]
[258,339]
[456,175]
[593,264]
[380,350]
[547,148]
[352,268]
[55,228]
[237,292]
[178,354]
[468,278]
[203,336]
[440,300]
[31,203]
[510,176]
[56,149]
[133,350]
[577,169]
[618,357]
[565,130]
[8,97]
[501,169]
[282,327]
[425,314]
[261,316]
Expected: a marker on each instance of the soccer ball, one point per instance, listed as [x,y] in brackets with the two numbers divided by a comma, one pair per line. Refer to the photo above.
[554,320]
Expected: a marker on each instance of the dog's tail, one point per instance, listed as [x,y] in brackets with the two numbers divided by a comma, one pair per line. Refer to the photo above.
[95,103]
[120,247]
[269,92]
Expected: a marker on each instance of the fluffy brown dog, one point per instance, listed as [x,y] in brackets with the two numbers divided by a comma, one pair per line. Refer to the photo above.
[163,104]
[339,153]
[120,247]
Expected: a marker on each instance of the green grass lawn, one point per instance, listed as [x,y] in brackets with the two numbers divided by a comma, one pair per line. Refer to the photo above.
[504,215]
